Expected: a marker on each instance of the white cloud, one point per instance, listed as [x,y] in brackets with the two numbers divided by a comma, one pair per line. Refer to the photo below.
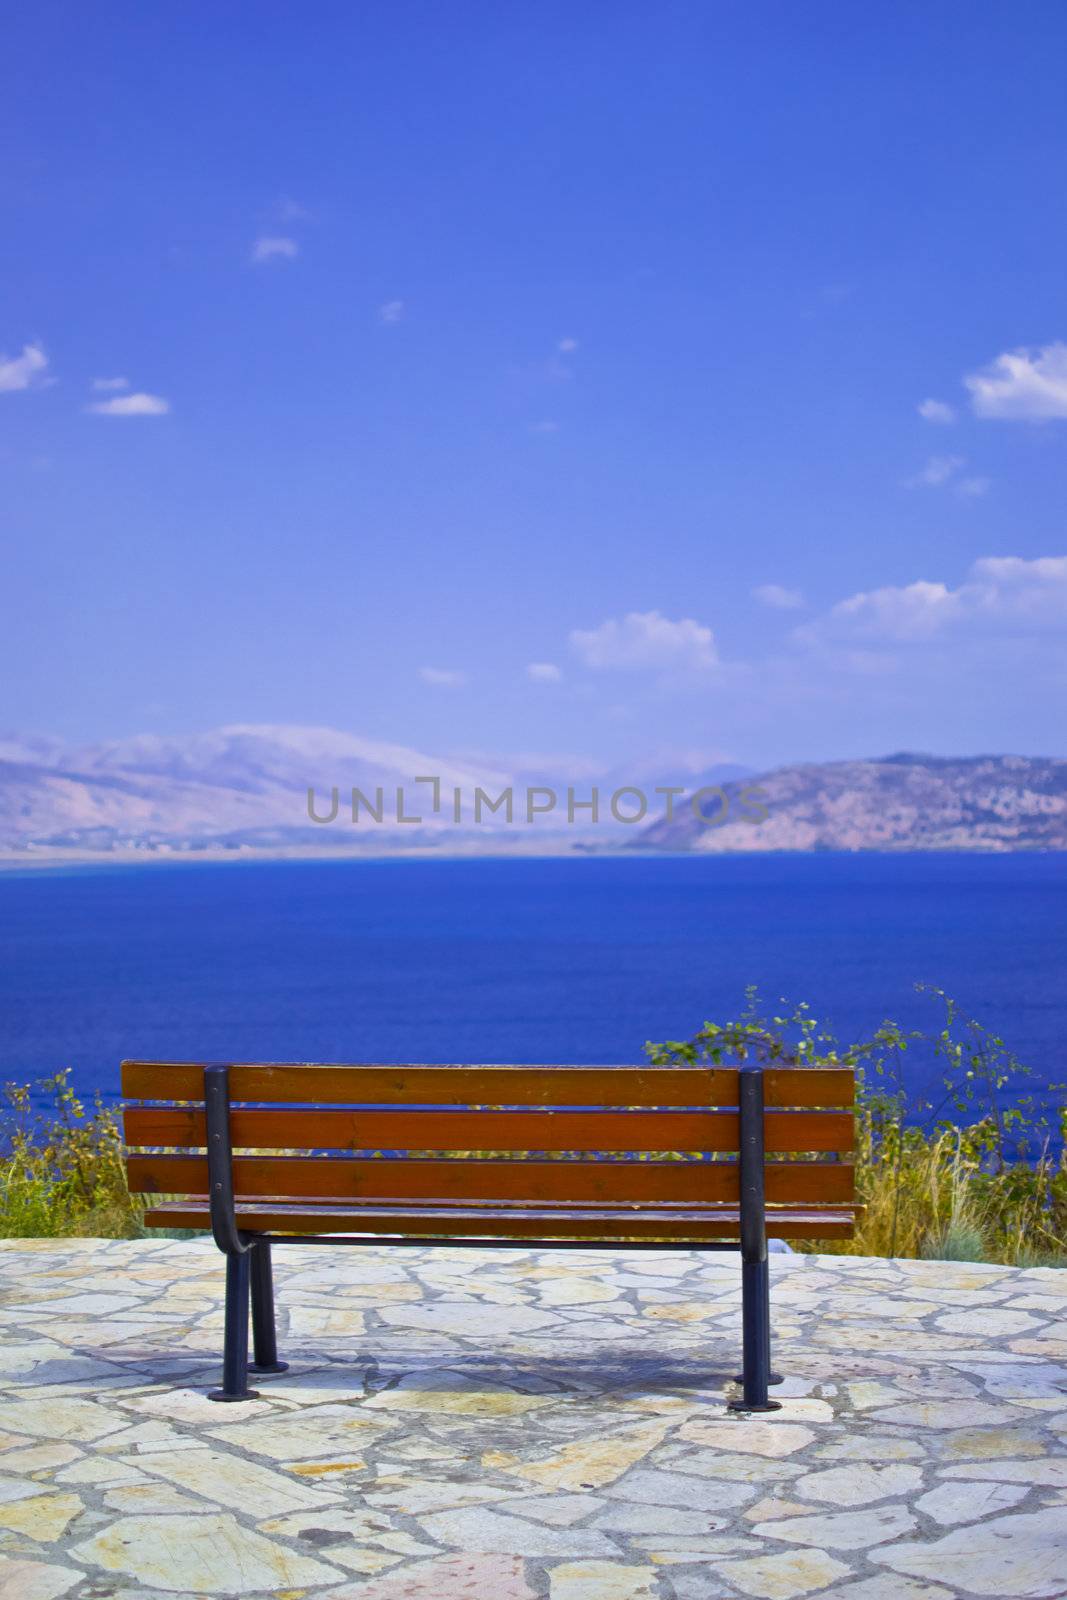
[567,347]
[391,311]
[109,385]
[271,247]
[24,371]
[973,488]
[1022,385]
[1000,593]
[937,471]
[936,411]
[131,405]
[645,639]
[778,597]
[546,426]
[443,677]
[543,672]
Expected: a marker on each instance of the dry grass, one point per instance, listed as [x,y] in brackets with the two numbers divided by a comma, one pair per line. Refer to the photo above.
[62,1172]
[978,1176]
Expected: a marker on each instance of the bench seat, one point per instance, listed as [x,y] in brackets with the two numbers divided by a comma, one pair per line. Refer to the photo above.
[613,1224]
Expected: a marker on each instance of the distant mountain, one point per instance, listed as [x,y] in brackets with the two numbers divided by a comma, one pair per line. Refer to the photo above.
[233,787]
[244,790]
[902,802]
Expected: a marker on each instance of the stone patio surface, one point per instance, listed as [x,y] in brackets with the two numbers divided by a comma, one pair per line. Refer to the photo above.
[514,1423]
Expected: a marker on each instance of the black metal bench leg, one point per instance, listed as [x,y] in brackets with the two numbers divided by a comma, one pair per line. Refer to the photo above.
[772,1377]
[235,1347]
[756,1337]
[755,1275]
[264,1340]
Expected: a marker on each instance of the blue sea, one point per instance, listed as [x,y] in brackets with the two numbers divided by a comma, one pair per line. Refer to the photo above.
[539,960]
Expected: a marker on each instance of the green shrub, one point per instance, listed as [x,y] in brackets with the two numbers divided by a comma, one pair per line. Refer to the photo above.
[61,1170]
[979,1184]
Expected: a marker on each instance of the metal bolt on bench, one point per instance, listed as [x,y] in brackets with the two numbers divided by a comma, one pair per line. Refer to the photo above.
[362,1175]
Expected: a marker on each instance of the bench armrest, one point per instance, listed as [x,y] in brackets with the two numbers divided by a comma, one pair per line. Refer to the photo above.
[220,1161]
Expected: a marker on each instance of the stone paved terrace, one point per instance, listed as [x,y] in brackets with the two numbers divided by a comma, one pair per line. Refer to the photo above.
[511,1424]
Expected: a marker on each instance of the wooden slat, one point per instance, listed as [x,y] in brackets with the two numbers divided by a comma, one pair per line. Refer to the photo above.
[538,1181]
[832,1087]
[714,1131]
[674,1226]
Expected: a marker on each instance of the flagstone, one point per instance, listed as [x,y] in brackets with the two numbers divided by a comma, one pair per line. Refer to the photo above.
[772,1506]
[209,1553]
[17,1358]
[18,1489]
[186,1405]
[670,1550]
[735,1468]
[749,1436]
[988,1322]
[566,1413]
[1024,1556]
[320,1322]
[652,1486]
[150,1497]
[680,1311]
[1051,1348]
[468,1317]
[453,1577]
[783,1577]
[576,1292]
[559,1510]
[96,1305]
[68,1419]
[475,1528]
[884,1587]
[883,1308]
[350,1536]
[841,1530]
[869,1447]
[454,1393]
[586,1463]
[236,1484]
[601,1580]
[1051,1471]
[1036,1382]
[951,1503]
[415,1495]
[988,1443]
[21,1579]
[866,1393]
[946,1413]
[858,1484]
[44,1517]
[38,1457]
[625,1517]
[101,1472]
[150,1435]
[315,1431]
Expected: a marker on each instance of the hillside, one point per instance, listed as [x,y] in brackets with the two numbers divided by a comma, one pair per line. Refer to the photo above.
[902,802]
[244,790]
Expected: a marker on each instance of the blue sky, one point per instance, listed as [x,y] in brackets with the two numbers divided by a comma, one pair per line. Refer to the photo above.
[538,378]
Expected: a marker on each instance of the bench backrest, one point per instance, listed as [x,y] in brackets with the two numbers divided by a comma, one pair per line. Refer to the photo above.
[482,1134]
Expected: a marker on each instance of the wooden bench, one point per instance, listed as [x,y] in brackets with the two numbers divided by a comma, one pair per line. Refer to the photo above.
[647,1157]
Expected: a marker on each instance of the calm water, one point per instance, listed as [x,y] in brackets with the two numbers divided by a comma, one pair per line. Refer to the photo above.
[539,960]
